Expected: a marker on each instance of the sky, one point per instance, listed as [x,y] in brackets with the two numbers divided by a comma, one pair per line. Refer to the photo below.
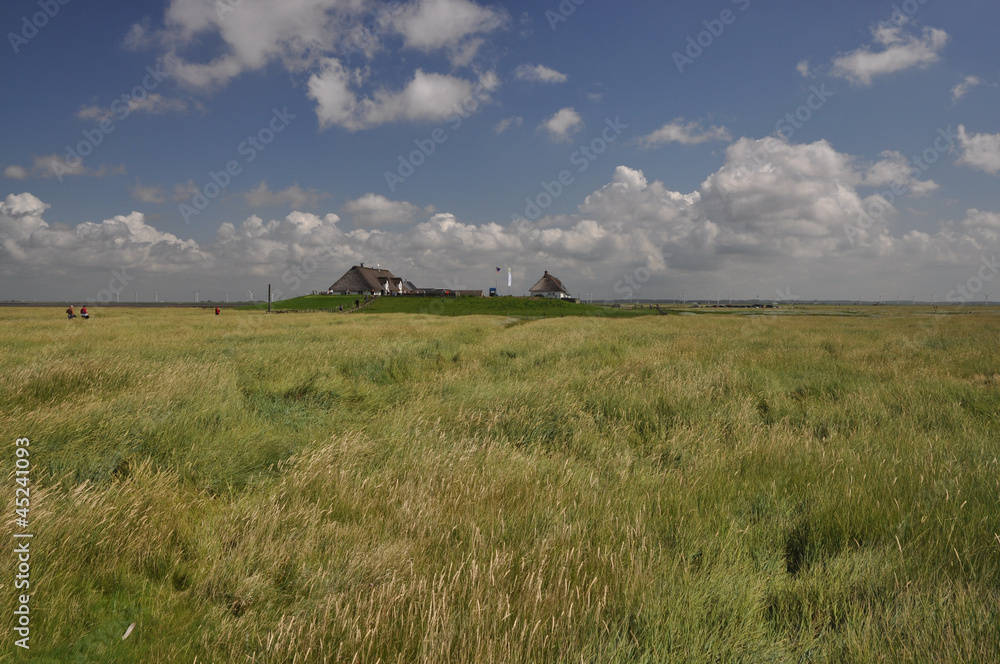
[701,150]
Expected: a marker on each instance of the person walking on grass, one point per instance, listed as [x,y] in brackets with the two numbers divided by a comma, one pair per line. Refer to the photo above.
[83,313]
[216,311]
[69,313]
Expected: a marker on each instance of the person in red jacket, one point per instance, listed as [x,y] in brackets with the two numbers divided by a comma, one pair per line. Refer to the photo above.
[216,311]
[83,313]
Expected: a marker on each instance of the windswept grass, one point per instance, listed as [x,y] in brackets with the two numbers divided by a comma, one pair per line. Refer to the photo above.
[404,488]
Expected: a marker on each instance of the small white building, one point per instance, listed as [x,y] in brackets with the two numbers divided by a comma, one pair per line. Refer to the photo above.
[549,286]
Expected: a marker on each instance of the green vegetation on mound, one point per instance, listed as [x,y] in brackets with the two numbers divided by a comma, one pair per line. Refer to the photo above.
[452,306]
[286,488]
[308,303]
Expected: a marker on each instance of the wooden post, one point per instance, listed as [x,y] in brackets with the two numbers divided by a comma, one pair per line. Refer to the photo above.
[269,298]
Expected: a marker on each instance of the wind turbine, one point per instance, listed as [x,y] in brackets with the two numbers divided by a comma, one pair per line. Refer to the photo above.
[156,296]
[250,295]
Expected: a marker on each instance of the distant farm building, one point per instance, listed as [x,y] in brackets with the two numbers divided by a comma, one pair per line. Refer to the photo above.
[361,279]
[549,286]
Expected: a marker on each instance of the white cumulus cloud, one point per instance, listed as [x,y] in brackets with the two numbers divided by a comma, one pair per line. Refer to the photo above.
[377,211]
[508,123]
[685,133]
[979,151]
[147,193]
[775,216]
[430,25]
[539,74]
[294,197]
[314,37]
[898,50]
[54,165]
[427,97]
[963,88]
[563,124]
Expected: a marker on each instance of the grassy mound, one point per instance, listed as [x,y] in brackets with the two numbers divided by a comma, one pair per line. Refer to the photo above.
[453,306]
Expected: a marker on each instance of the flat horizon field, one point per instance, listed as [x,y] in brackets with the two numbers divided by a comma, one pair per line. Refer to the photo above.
[811,486]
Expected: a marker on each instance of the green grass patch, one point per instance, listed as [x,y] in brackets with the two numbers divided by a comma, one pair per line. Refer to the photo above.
[454,306]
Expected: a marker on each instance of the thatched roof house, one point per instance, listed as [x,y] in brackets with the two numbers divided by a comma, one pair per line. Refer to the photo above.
[361,279]
[549,286]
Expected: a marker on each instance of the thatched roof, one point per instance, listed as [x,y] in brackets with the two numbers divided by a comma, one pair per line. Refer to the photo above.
[360,279]
[548,284]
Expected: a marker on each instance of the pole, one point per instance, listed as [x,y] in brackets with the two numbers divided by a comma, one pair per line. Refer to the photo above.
[269,298]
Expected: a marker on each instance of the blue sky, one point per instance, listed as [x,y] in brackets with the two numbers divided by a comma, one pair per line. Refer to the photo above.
[642,149]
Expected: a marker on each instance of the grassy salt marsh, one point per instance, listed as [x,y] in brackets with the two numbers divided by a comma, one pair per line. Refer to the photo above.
[417,488]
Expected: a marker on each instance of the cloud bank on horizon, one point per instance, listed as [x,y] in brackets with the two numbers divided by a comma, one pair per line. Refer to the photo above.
[728,184]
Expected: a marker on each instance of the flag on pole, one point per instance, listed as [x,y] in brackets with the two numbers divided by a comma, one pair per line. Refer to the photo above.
[498,269]
[508,277]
